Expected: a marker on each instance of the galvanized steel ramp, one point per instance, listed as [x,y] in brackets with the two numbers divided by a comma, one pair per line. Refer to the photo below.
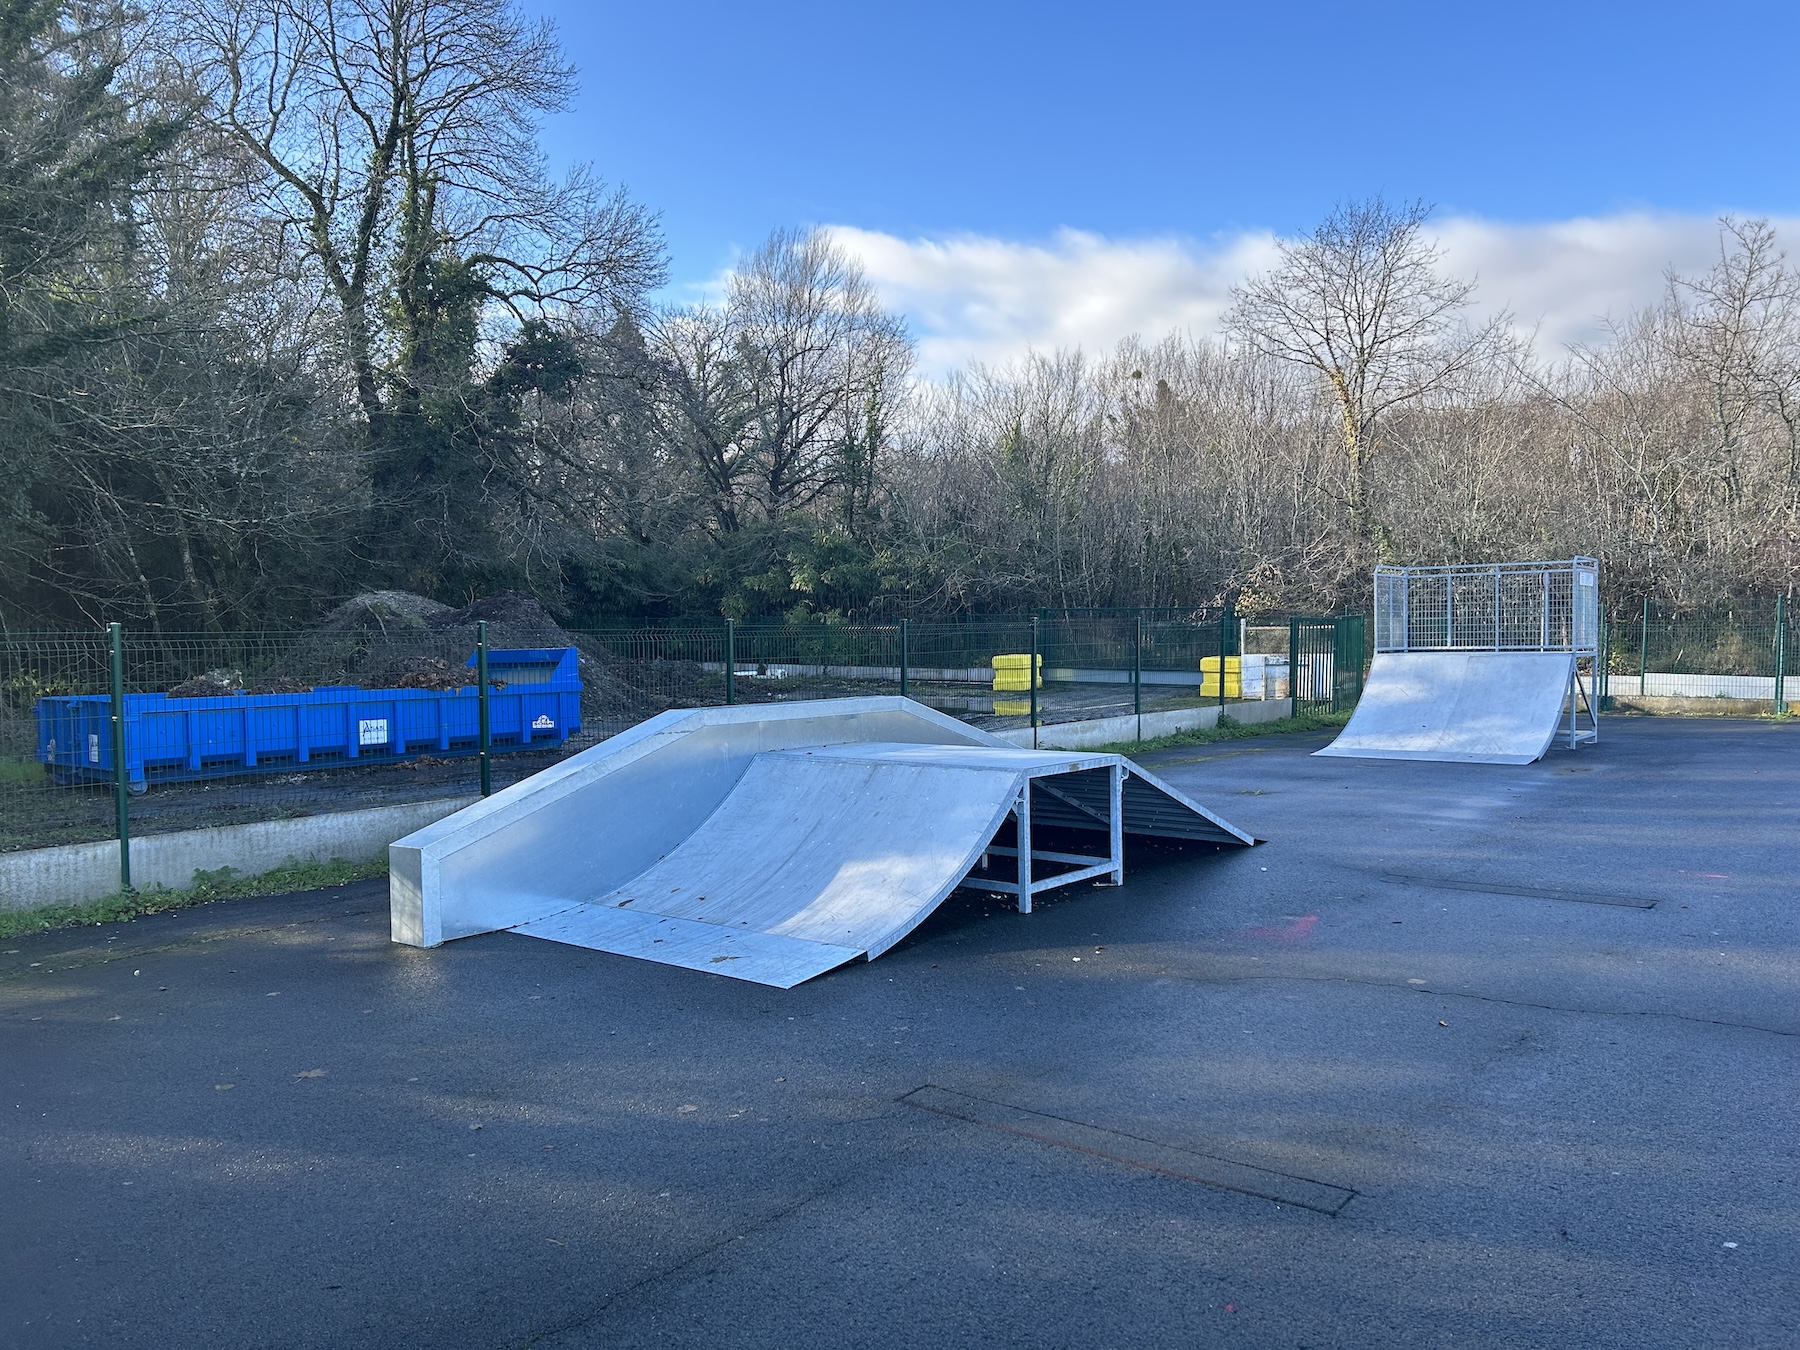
[1470,707]
[776,862]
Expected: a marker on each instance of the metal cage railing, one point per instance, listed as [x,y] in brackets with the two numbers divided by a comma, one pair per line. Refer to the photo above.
[1502,607]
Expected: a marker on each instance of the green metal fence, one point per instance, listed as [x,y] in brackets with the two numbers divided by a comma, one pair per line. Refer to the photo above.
[1737,654]
[1093,664]
[1327,660]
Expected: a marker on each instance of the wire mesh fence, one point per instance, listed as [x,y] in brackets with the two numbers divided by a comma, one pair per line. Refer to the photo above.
[1327,660]
[35,806]
[106,734]
[1738,654]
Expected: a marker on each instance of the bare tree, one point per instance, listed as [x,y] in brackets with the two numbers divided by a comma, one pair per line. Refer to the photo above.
[1361,301]
[784,395]
[397,140]
[825,366]
[1739,333]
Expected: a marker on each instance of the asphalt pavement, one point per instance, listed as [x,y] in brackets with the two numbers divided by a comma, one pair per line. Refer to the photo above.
[1464,1055]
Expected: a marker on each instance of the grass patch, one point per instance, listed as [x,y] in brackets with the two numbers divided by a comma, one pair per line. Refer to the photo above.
[224,884]
[1231,730]
[21,772]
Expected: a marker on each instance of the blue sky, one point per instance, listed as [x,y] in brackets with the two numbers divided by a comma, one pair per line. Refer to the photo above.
[1195,127]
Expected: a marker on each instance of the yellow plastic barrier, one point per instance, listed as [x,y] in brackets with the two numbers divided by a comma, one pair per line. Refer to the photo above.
[1012,673]
[1234,677]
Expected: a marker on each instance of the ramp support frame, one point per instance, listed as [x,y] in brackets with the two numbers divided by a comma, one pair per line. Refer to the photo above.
[1085,867]
[1580,698]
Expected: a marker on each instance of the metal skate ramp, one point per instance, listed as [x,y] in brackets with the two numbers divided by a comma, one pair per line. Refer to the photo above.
[1470,707]
[773,843]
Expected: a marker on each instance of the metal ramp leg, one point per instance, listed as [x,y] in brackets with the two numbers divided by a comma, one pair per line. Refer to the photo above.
[1578,699]
[1085,867]
[1022,813]
[1115,825]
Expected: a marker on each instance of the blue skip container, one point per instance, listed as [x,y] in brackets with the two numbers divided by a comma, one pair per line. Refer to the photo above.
[171,740]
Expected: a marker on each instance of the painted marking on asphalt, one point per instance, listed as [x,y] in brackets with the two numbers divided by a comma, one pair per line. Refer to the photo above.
[1535,893]
[1222,1173]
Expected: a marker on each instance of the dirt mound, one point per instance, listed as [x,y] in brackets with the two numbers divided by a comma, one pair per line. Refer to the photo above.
[278,684]
[511,612]
[397,640]
[426,672]
[387,613]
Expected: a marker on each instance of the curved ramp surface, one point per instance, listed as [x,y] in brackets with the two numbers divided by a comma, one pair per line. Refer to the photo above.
[807,856]
[1461,707]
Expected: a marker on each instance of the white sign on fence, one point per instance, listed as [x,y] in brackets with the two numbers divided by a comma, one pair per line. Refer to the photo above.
[372,731]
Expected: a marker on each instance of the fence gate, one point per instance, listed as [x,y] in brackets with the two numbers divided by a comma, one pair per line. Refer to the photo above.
[1325,661]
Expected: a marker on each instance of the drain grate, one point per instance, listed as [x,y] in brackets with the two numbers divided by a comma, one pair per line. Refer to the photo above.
[1488,888]
[1319,1196]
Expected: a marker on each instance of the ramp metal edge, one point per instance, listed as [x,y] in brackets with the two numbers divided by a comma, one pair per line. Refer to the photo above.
[757,957]
[1434,756]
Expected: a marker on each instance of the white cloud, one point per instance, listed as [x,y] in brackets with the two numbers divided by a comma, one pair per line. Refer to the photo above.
[978,298]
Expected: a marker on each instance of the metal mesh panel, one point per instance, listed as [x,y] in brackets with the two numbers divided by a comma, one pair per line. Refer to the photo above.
[1741,650]
[223,729]
[38,804]
[1325,653]
[1525,606]
[782,662]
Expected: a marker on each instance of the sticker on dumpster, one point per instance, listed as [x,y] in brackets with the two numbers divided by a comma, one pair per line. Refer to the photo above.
[93,748]
[372,731]
[543,723]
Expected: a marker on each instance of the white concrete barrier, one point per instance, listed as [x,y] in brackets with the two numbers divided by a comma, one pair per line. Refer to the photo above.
[1696,686]
[1131,727]
[75,874]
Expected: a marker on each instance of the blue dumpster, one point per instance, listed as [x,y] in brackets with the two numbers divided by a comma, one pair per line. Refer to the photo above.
[334,726]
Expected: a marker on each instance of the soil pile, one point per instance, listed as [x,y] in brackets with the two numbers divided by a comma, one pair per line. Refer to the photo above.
[398,640]
[382,616]
[428,672]
[514,619]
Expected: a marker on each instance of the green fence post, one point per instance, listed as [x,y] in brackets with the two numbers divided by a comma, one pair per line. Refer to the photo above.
[1780,655]
[1224,646]
[1602,663]
[1644,647]
[904,654]
[1293,665]
[483,724]
[1031,680]
[730,662]
[1137,672]
[121,771]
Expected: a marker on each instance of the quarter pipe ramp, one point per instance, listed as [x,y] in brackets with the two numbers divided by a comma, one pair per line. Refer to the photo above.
[1470,707]
[774,843]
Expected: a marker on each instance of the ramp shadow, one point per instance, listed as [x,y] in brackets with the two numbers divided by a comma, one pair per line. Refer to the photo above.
[967,908]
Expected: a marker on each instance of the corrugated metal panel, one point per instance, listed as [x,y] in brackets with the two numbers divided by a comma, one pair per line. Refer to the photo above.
[1152,808]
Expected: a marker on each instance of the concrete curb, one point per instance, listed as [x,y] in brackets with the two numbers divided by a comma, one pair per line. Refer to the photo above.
[1682,706]
[1112,730]
[74,874]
